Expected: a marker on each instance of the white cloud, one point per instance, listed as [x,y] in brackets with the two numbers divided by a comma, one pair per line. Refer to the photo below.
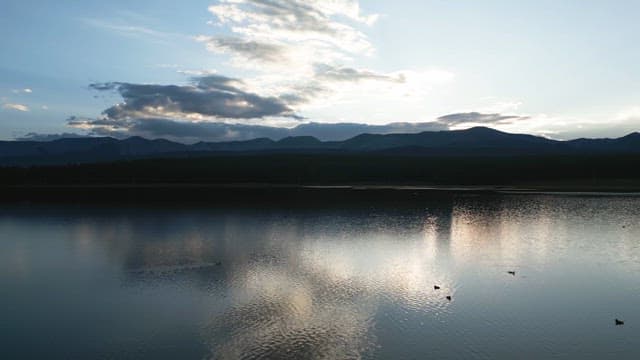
[306,51]
[289,34]
[22,91]
[168,66]
[198,72]
[559,126]
[304,57]
[125,28]
[631,113]
[16,107]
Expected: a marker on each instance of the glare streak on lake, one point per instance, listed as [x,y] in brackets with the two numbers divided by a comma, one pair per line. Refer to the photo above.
[345,282]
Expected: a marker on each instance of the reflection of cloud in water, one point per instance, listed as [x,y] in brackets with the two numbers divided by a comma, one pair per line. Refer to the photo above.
[495,232]
[314,284]
[297,286]
[291,314]
[337,283]
[321,301]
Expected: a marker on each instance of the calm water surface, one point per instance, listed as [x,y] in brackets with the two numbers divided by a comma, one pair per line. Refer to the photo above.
[354,281]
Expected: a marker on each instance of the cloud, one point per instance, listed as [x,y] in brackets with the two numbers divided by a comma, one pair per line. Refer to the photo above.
[330,82]
[90,123]
[201,72]
[192,131]
[244,49]
[479,118]
[25,91]
[296,20]
[16,107]
[617,124]
[305,52]
[125,28]
[557,127]
[176,130]
[304,93]
[210,97]
[302,55]
[290,35]
[335,73]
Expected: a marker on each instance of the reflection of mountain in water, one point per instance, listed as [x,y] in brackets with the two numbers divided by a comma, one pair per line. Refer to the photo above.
[349,282]
[337,283]
[299,285]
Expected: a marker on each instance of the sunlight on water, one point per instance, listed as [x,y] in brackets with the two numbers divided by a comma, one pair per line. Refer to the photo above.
[354,281]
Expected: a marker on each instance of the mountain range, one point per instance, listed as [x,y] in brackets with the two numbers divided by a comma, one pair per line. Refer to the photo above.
[477,141]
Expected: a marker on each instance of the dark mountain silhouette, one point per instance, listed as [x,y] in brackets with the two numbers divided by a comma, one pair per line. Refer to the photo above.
[478,141]
[479,138]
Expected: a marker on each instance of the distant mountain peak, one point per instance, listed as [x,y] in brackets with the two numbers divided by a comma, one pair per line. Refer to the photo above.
[303,137]
[483,129]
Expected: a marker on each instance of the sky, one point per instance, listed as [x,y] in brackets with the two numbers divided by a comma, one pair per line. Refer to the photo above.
[239,69]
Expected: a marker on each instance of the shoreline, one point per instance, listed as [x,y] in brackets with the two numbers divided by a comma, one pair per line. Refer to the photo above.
[610,185]
[299,194]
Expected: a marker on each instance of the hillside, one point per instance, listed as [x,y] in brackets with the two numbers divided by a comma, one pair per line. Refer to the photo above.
[478,141]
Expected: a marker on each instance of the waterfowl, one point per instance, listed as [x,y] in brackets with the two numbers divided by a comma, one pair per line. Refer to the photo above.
[511,273]
[619,322]
[436,287]
[218,263]
[448,297]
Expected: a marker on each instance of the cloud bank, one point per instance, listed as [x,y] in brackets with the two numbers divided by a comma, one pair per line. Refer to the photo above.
[32,136]
[191,132]
[301,55]
[480,118]
[194,131]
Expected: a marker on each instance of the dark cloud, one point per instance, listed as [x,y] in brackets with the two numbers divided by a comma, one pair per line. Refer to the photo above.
[334,73]
[248,49]
[209,96]
[304,93]
[190,132]
[76,121]
[480,118]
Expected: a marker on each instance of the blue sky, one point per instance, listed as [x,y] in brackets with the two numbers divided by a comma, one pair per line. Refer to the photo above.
[561,69]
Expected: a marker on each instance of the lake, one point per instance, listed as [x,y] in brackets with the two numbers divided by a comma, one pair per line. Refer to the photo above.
[338,281]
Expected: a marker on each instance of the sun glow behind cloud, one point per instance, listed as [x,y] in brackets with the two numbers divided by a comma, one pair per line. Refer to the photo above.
[295,62]
[299,56]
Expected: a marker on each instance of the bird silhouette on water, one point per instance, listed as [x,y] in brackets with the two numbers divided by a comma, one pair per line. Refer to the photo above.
[436,287]
[448,297]
[619,322]
[511,273]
